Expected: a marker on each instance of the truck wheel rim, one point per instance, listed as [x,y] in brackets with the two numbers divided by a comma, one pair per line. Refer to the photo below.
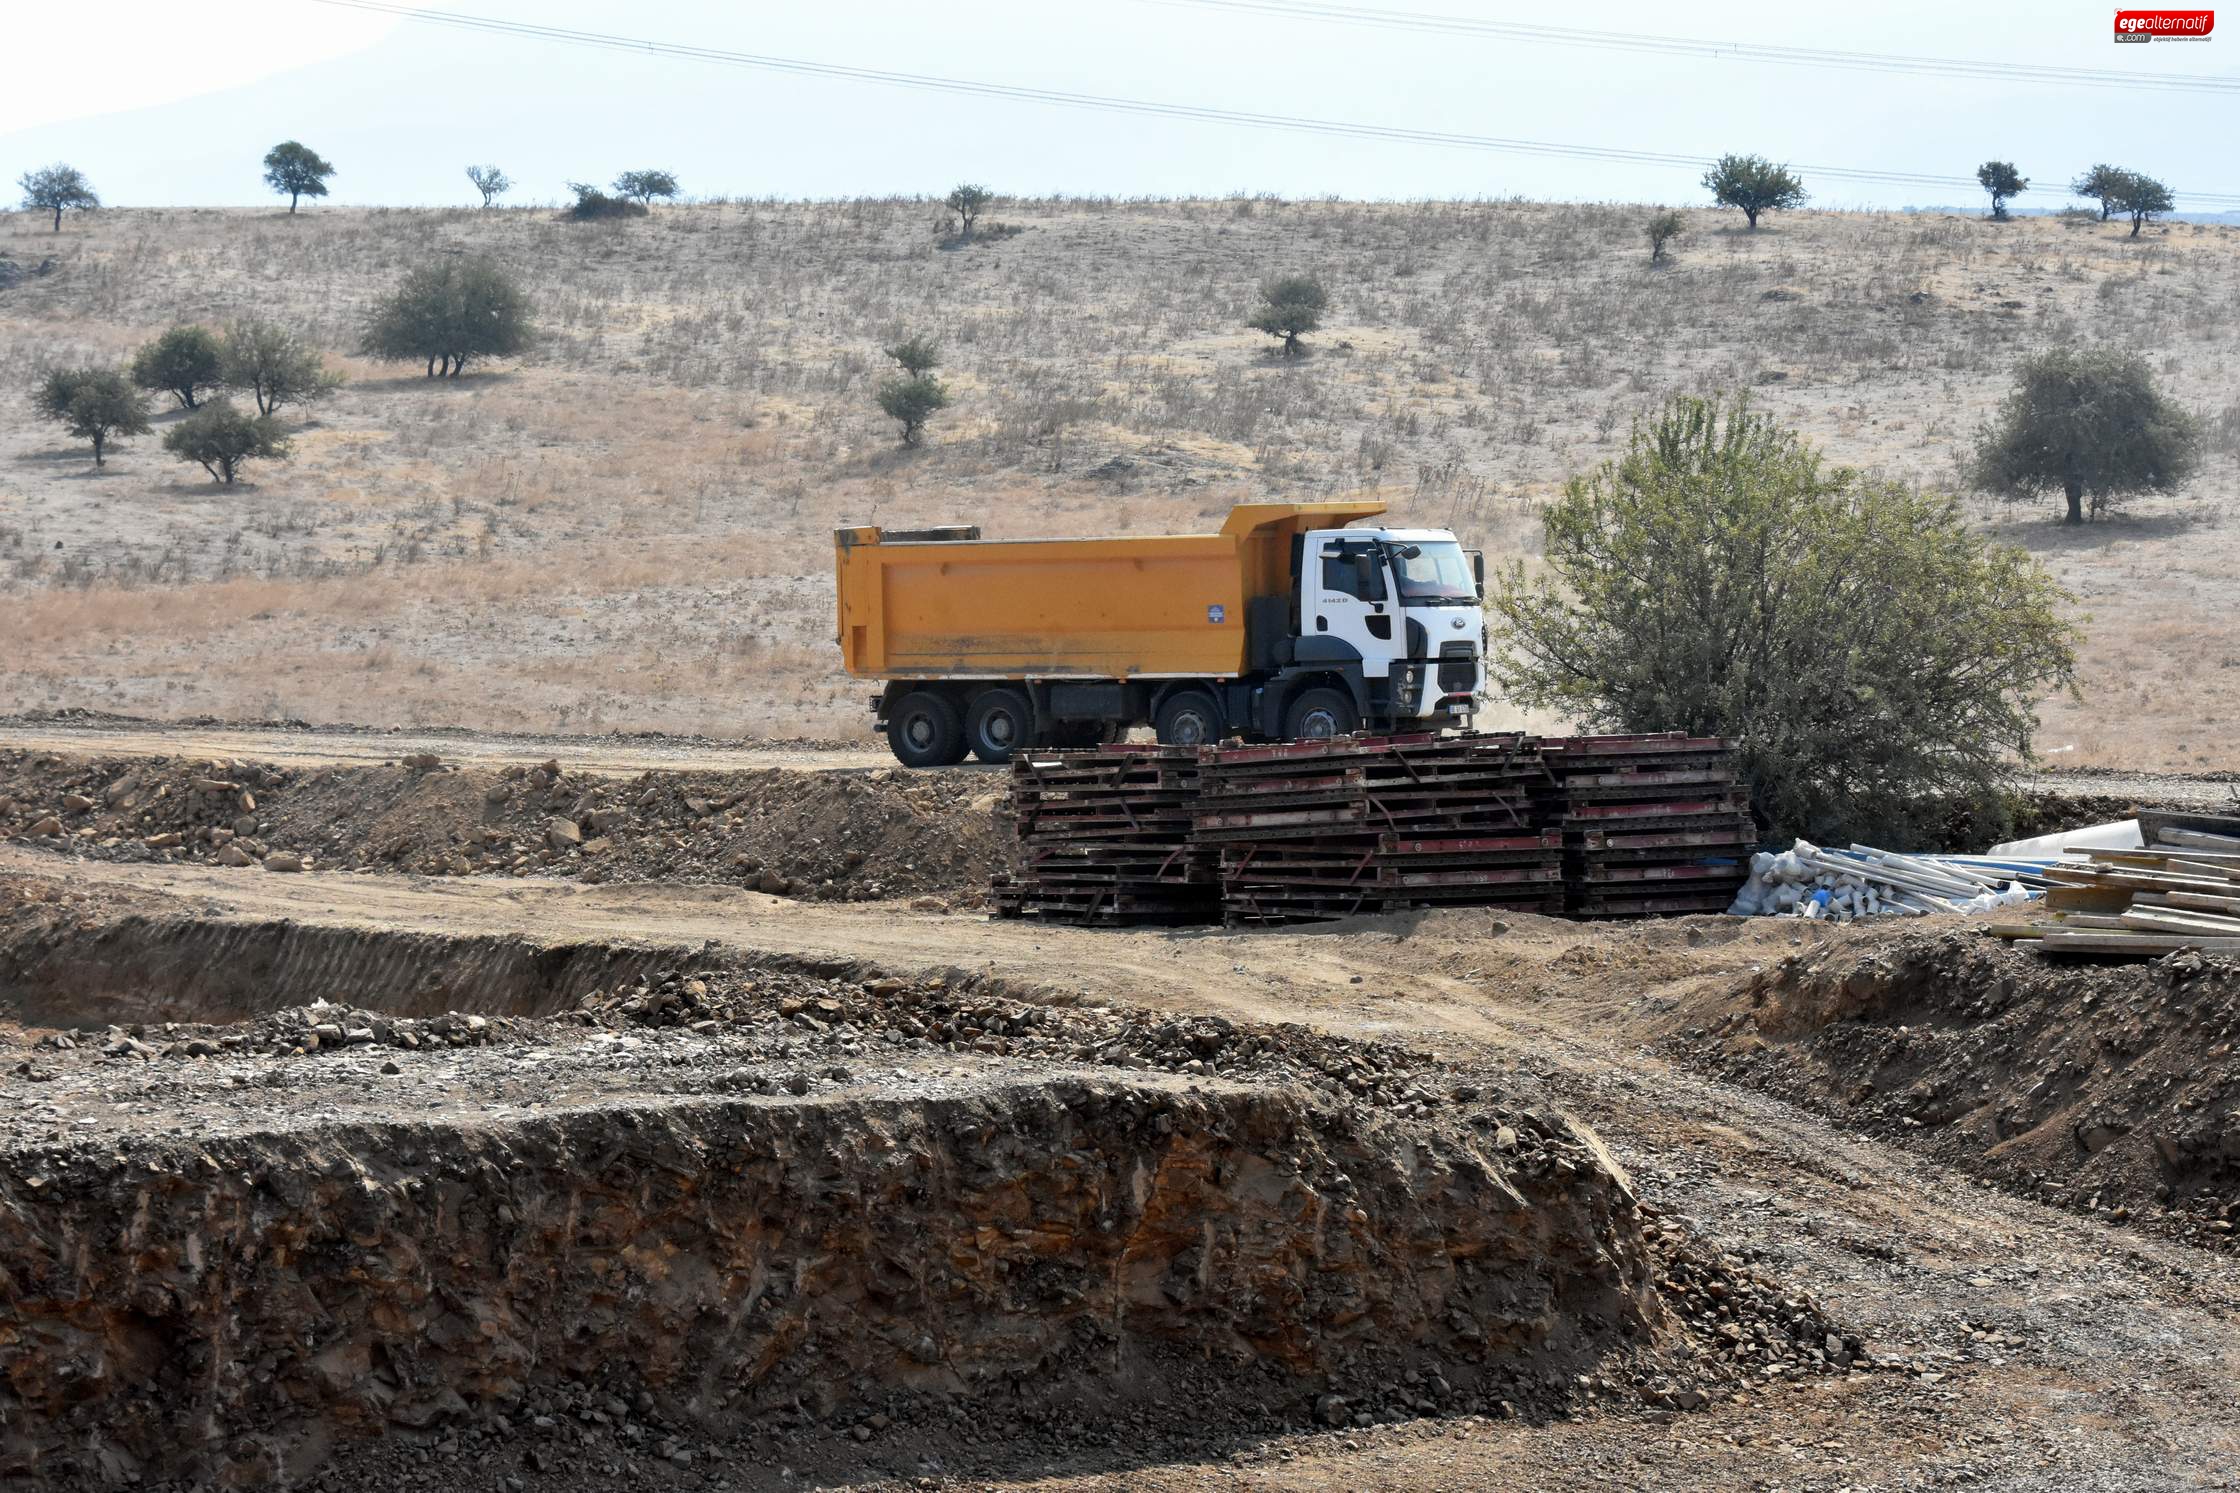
[1000,730]
[1318,725]
[918,731]
[1190,729]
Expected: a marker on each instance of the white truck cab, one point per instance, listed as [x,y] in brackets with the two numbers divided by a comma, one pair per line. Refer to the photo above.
[1400,610]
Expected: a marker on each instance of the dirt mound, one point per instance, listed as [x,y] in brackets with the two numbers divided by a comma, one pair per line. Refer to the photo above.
[2110,1088]
[865,835]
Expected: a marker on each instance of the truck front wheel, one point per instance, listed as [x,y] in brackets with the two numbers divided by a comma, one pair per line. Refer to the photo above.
[924,731]
[1000,722]
[1320,714]
[1189,719]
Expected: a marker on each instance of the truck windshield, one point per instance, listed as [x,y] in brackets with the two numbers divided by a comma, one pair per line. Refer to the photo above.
[1436,573]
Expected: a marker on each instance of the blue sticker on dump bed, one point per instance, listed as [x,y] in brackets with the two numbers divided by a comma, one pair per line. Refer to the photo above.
[1217,613]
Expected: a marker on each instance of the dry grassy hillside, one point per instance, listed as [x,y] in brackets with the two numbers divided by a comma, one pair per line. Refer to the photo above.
[629,529]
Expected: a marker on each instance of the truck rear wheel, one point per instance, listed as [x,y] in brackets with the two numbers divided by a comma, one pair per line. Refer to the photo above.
[1188,719]
[924,731]
[1000,722]
[1320,714]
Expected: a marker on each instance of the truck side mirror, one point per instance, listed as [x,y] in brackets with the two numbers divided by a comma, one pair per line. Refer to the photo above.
[1478,569]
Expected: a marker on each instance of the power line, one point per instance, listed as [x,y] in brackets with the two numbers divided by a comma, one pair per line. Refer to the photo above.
[1740,51]
[1138,107]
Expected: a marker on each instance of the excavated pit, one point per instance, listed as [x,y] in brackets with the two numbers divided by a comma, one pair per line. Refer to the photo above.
[747,1201]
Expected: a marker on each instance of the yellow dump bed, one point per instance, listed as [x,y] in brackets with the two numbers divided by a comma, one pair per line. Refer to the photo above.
[935,604]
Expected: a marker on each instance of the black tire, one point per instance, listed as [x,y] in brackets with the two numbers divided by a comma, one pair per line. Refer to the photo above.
[923,730]
[1190,718]
[1000,722]
[1320,714]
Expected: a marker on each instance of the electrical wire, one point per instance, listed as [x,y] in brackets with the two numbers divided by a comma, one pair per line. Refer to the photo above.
[1739,51]
[1139,107]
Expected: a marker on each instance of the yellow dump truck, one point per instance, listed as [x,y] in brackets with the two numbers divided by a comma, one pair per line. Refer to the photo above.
[1287,624]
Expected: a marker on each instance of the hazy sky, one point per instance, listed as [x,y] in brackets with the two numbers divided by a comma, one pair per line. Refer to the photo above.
[176,104]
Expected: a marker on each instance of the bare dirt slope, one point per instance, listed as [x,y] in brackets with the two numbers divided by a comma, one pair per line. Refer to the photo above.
[2044,1349]
[631,528]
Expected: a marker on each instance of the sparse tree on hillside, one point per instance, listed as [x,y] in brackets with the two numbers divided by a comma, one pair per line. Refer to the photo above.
[642,187]
[94,404]
[2099,185]
[274,366]
[1870,652]
[183,362]
[56,189]
[917,354]
[1660,230]
[2086,422]
[2002,181]
[490,182]
[2139,197]
[1290,307]
[913,400]
[295,171]
[220,438]
[915,396]
[968,200]
[1754,184]
[448,314]
[591,205]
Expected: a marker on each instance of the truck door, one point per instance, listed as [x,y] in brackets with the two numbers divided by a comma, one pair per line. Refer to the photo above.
[1345,596]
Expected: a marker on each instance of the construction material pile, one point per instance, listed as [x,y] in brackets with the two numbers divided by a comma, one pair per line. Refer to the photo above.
[2179,890]
[1104,838]
[1320,829]
[1862,882]
[1650,824]
[1601,826]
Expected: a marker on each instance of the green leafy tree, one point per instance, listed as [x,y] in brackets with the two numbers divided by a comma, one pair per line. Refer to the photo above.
[222,437]
[913,399]
[642,187]
[274,366]
[295,170]
[1868,651]
[56,189]
[2100,185]
[1754,184]
[449,314]
[2139,197]
[1661,229]
[1290,307]
[2086,423]
[968,200]
[2002,181]
[917,354]
[183,362]
[490,182]
[94,404]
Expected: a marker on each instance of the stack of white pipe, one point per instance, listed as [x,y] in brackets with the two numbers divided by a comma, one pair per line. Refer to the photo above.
[1807,881]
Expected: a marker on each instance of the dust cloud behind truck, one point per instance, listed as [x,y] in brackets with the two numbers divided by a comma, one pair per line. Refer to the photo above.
[1287,624]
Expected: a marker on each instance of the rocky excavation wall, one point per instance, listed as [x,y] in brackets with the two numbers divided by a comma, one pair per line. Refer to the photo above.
[850,836]
[219,1306]
[59,971]
[2107,1087]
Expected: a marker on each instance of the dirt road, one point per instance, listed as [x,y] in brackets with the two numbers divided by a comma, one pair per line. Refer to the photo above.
[343,746]
[2053,1351]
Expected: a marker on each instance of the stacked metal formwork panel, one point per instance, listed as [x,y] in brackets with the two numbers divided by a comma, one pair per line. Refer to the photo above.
[1651,825]
[1104,838]
[1309,830]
